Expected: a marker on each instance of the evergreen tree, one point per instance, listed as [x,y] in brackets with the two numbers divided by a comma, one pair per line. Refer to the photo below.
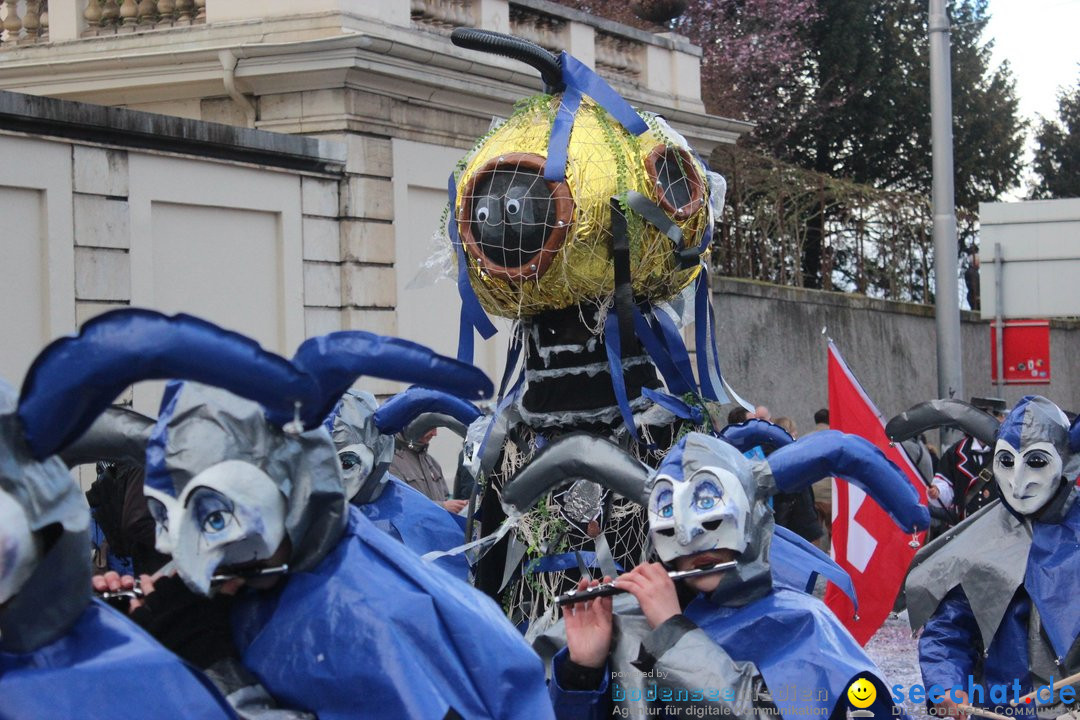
[1057,155]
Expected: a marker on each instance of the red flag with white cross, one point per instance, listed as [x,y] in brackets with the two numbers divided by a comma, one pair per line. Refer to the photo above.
[865,541]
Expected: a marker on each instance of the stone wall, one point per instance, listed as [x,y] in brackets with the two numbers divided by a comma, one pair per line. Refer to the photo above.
[773,350]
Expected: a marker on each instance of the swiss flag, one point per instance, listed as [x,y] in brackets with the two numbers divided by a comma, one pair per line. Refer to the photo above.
[865,541]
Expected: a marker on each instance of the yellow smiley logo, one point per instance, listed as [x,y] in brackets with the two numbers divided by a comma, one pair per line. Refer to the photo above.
[862,693]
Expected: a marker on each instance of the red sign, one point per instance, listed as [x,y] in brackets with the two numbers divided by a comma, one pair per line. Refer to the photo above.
[1026,350]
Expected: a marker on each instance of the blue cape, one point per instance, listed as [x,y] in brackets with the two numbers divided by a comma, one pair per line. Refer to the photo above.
[1052,578]
[422,525]
[373,631]
[105,667]
[808,659]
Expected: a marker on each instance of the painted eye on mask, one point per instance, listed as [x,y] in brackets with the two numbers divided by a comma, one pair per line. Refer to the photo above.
[349,460]
[664,506]
[213,511]
[1037,460]
[1005,459]
[707,496]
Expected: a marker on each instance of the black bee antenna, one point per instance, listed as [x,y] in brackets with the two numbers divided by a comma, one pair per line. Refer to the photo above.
[516,48]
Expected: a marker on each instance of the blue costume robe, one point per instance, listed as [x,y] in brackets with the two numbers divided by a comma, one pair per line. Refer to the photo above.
[105,667]
[951,645]
[418,522]
[806,657]
[373,631]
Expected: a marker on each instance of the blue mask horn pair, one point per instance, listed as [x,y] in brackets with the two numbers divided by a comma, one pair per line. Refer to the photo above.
[577,456]
[336,360]
[75,378]
[746,436]
[417,410]
[856,460]
[118,435]
[933,414]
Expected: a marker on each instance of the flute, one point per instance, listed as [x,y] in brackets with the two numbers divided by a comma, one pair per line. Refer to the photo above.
[605,589]
[136,593]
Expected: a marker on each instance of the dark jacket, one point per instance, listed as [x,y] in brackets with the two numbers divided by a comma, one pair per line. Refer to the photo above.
[418,469]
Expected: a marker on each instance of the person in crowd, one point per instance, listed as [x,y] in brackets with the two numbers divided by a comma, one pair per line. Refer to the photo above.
[762,413]
[420,471]
[995,595]
[730,637]
[738,414]
[821,420]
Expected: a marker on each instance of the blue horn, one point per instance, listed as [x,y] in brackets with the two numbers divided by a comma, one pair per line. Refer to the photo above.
[75,378]
[397,413]
[857,460]
[754,432]
[336,361]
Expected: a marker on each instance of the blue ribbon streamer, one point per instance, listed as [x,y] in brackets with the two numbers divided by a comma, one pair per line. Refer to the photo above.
[559,139]
[580,80]
[618,383]
[675,346]
[656,350]
[675,405]
[702,353]
[472,314]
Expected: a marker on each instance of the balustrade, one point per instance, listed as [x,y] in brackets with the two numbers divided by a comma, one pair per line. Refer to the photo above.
[25,22]
[109,17]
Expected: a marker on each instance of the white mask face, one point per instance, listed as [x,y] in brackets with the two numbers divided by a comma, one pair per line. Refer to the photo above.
[708,511]
[229,514]
[19,549]
[357,462]
[1028,477]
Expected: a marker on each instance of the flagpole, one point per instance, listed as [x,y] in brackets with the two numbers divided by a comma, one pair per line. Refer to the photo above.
[946,255]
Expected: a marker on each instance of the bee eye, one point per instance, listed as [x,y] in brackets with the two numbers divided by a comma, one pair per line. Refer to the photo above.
[482,214]
[513,206]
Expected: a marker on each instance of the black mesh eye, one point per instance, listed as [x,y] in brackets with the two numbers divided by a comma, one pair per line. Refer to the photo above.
[514,237]
[711,524]
[678,183]
[667,532]
[516,220]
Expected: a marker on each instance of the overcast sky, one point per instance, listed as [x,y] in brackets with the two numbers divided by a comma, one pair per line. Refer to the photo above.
[1041,41]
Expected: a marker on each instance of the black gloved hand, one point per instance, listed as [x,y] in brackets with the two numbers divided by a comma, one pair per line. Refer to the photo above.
[195,627]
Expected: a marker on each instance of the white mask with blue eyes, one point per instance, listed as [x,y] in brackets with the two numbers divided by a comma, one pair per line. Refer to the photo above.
[1028,477]
[228,515]
[707,511]
[19,549]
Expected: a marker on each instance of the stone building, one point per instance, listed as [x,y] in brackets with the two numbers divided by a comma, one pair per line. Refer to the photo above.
[277,240]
